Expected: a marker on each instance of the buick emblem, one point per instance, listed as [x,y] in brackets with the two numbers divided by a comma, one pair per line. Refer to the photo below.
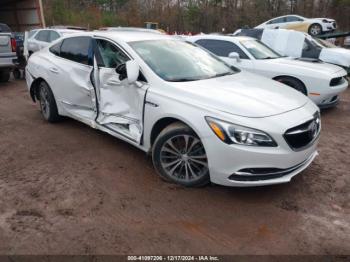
[313,128]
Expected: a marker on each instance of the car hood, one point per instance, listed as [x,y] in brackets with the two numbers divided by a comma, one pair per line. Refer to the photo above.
[242,94]
[338,56]
[316,66]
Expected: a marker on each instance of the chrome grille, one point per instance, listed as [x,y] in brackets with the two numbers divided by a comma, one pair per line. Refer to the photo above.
[302,136]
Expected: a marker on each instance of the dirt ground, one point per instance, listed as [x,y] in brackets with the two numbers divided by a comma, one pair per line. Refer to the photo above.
[68,189]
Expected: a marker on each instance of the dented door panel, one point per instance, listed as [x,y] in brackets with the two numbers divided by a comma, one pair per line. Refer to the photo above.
[120,104]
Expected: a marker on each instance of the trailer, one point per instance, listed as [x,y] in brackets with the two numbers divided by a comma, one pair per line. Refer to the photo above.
[22,15]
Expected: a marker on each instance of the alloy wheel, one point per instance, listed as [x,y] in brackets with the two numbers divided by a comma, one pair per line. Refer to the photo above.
[44,102]
[315,30]
[183,158]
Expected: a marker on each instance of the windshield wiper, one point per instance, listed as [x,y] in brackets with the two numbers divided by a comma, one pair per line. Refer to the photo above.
[269,57]
[183,80]
[224,74]
[199,78]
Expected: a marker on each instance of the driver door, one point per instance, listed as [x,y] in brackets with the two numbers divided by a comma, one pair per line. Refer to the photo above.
[120,104]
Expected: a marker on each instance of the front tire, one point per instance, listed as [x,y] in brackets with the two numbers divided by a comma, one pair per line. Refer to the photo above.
[48,104]
[315,29]
[179,157]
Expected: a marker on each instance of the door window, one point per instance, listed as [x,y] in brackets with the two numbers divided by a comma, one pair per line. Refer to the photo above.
[53,36]
[43,36]
[32,33]
[277,21]
[221,48]
[293,19]
[76,49]
[110,56]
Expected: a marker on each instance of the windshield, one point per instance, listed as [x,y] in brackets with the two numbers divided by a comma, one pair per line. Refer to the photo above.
[32,33]
[178,61]
[259,50]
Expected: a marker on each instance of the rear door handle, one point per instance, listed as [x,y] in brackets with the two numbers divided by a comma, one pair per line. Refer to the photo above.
[54,70]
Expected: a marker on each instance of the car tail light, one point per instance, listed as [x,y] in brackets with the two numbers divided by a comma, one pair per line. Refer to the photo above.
[13,44]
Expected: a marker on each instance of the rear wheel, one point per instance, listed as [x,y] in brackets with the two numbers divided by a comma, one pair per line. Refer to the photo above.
[4,76]
[179,157]
[315,29]
[294,83]
[47,103]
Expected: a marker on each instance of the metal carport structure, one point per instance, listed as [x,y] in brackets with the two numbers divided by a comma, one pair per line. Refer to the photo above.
[22,15]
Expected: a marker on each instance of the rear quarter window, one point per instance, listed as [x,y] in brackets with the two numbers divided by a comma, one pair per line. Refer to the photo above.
[76,49]
[53,36]
[43,36]
[56,49]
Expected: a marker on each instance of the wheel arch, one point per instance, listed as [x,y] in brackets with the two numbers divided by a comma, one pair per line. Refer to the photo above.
[315,23]
[34,88]
[279,77]
[163,123]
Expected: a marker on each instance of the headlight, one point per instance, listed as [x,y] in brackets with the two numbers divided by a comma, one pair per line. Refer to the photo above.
[240,135]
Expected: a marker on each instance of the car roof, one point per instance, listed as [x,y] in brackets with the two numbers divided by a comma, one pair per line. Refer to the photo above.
[285,16]
[126,36]
[72,27]
[66,30]
[130,29]
[61,30]
[222,37]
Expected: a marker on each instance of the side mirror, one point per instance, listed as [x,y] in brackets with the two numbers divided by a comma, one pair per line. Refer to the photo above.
[133,71]
[130,70]
[235,55]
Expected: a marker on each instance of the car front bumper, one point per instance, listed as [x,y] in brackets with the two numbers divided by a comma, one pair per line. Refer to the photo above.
[330,103]
[330,97]
[326,27]
[228,164]
[226,168]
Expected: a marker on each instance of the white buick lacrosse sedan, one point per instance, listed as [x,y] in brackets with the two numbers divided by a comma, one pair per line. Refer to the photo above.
[202,120]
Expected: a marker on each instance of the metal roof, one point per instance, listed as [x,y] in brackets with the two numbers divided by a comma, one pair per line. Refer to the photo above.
[22,15]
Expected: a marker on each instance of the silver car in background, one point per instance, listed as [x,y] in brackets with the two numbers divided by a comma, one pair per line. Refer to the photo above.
[7,52]
[41,38]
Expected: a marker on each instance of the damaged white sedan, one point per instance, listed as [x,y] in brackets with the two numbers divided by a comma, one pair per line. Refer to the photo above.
[202,120]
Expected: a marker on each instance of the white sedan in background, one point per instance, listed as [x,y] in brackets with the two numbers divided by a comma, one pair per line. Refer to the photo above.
[300,45]
[320,81]
[200,119]
[41,38]
[312,26]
